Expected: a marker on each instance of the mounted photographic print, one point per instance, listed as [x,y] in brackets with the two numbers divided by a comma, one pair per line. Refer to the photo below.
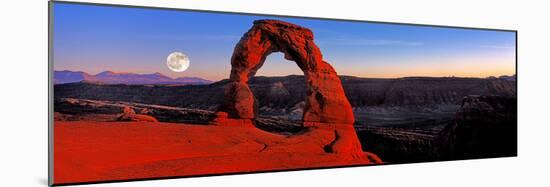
[154,93]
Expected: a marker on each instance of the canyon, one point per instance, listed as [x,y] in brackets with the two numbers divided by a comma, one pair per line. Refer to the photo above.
[401,120]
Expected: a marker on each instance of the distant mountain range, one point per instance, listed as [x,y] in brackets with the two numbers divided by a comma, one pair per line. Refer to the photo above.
[109,77]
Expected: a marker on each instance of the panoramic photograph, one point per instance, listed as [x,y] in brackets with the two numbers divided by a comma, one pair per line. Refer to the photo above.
[143,93]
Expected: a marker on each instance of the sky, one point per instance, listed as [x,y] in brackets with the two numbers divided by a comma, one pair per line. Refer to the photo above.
[94,38]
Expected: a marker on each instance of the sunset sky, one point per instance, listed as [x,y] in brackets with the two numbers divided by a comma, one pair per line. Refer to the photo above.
[97,38]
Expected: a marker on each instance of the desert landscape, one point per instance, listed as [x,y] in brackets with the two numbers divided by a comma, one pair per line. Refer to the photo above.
[122,125]
[325,137]
[446,126]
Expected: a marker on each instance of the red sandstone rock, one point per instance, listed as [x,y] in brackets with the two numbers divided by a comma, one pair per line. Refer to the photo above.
[128,111]
[325,101]
[222,120]
[130,150]
[221,114]
[128,114]
[326,107]
[344,141]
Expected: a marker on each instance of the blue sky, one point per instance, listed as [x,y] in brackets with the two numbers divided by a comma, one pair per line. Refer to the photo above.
[94,38]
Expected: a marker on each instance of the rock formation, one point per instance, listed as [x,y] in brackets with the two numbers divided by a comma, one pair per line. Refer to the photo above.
[326,111]
[361,92]
[128,114]
[486,126]
[70,109]
[483,127]
[325,98]
[276,95]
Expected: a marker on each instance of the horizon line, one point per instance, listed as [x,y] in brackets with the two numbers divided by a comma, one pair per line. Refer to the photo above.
[397,77]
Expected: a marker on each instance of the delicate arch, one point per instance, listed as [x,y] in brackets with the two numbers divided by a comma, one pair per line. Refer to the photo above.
[325,98]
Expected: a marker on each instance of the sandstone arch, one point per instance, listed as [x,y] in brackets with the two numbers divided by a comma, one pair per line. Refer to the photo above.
[325,100]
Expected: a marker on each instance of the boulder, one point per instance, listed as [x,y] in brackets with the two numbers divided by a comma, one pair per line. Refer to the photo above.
[128,114]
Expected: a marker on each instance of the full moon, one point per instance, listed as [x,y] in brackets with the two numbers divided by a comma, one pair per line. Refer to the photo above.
[177,62]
